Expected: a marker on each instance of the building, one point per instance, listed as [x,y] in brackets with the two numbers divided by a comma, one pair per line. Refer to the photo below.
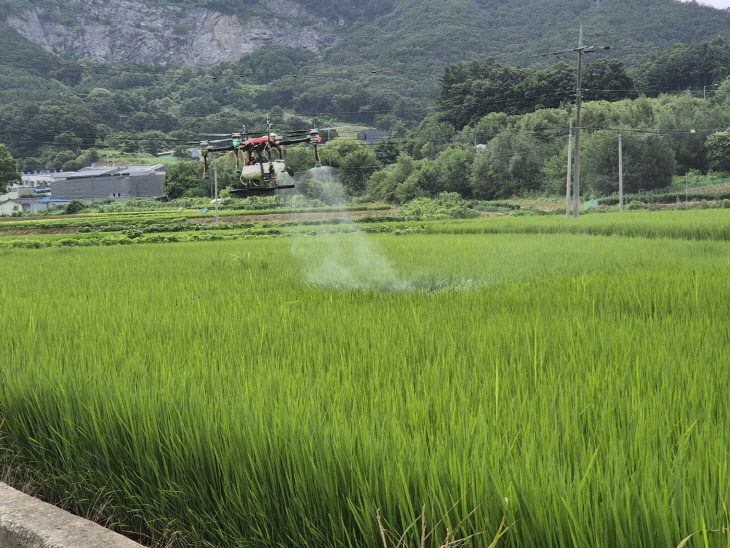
[10,206]
[100,183]
[16,191]
[28,205]
[39,180]
[372,136]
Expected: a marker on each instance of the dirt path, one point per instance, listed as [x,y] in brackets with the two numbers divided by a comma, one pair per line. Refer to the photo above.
[29,231]
[224,219]
[295,216]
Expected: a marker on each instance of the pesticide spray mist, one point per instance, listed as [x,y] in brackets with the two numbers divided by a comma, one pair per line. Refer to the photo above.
[349,261]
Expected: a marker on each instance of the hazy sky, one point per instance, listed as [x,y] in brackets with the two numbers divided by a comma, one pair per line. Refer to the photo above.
[715,3]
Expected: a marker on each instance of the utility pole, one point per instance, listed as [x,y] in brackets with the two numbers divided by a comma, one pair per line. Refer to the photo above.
[620,175]
[576,165]
[215,199]
[580,50]
[567,182]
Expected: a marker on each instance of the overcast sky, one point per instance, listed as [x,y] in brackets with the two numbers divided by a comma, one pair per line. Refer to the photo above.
[715,3]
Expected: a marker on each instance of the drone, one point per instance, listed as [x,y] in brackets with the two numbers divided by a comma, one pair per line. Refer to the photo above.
[259,160]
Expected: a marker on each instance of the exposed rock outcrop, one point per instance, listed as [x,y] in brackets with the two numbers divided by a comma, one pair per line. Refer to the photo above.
[118,30]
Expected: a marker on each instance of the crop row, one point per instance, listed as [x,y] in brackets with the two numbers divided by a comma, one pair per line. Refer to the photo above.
[107,219]
[711,224]
[133,236]
[667,198]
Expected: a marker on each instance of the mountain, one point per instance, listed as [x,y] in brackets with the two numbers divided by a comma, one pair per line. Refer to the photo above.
[406,34]
[119,31]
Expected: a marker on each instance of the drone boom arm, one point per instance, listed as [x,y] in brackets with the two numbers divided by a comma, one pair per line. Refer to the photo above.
[286,142]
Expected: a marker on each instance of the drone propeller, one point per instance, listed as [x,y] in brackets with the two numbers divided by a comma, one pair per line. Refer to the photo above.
[215,134]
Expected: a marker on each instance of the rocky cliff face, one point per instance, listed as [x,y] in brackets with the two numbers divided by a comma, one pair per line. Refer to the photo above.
[118,30]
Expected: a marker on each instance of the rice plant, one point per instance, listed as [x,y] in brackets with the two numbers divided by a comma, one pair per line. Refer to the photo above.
[240,394]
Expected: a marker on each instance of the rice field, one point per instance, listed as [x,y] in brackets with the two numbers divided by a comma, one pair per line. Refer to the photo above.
[281,392]
[708,224]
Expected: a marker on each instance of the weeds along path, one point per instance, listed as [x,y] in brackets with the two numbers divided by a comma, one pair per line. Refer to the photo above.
[227,394]
[295,216]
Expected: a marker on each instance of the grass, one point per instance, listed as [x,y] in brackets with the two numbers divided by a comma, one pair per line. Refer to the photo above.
[710,224]
[279,392]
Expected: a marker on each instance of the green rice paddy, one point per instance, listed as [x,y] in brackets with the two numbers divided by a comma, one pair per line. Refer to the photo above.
[279,392]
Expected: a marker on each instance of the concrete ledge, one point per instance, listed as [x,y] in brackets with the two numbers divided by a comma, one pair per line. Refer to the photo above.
[26,522]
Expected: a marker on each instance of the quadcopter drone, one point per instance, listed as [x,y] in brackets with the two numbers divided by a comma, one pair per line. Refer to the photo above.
[259,160]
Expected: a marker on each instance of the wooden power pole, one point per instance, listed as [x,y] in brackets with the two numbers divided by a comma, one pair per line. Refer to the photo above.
[568,178]
[215,193]
[620,175]
[576,163]
[580,50]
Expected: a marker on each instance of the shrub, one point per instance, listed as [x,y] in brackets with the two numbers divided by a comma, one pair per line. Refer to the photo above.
[73,207]
[636,205]
[134,233]
[449,205]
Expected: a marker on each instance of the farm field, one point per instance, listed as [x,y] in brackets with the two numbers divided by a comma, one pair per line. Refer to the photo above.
[280,391]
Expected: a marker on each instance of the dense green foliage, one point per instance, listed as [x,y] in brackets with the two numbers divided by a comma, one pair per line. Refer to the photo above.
[8,169]
[470,93]
[279,392]
[527,153]
[684,66]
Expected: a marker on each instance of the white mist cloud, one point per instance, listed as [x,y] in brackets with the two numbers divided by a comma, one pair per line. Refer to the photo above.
[346,261]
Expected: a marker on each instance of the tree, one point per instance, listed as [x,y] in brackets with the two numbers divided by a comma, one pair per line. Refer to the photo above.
[382,185]
[429,138]
[68,141]
[65,160]
[684,66]
[185,179]
[27,125]
[648,162]
[8,169]
[509,164]
[333,153]
[356,167]
[387,150]
[73,207]
[468,94]
[607,80]
[450,172]
[677,115]
[718,151]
